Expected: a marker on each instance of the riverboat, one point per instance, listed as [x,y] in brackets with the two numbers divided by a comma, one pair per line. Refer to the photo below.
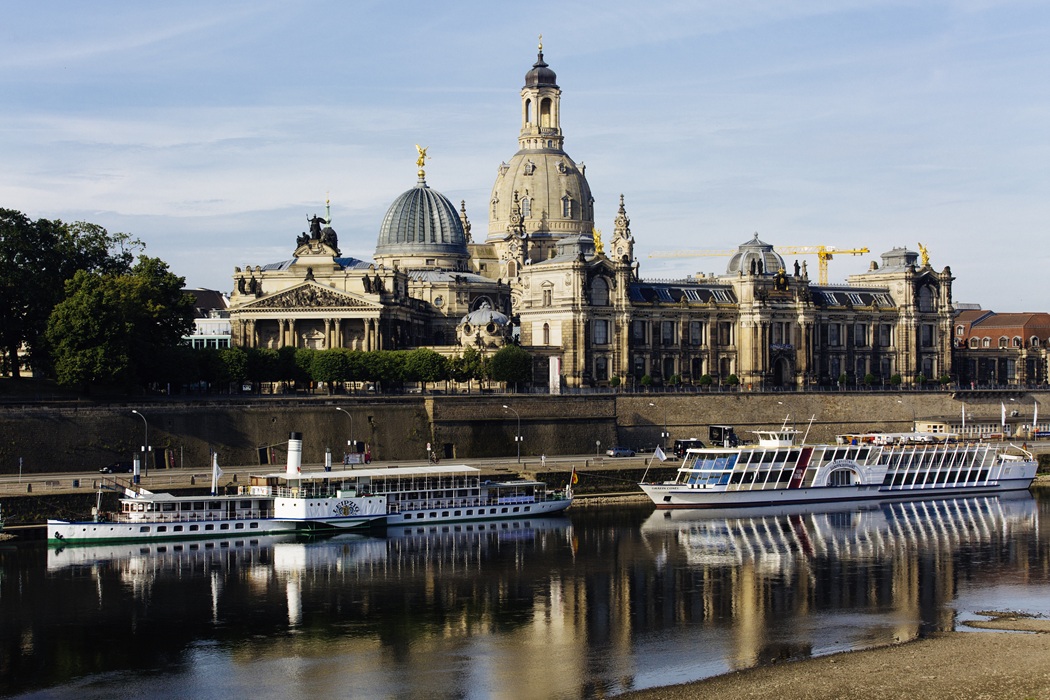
[284,505]
[434,493]
[863,467]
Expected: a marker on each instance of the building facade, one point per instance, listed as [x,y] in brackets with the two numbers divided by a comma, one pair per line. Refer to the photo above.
[579,303]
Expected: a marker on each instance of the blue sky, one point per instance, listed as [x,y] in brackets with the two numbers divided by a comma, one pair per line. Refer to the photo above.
[211,130]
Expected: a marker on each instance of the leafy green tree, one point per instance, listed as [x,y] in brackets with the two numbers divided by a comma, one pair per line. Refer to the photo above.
[116,329]
[869,379]
[706,380]
[424,365]
[511,364]
[647,381]
[36,260]
[733,380]
[235,364]
[466,367]
[329,367]
[895,380]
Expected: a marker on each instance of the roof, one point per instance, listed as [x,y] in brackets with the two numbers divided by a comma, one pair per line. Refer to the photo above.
[381,472]
[674,293]
[207,300]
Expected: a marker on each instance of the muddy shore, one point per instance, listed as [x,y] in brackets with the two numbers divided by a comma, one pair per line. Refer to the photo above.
[1007,658]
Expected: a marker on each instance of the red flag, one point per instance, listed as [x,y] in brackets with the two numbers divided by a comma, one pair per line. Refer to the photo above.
[574,479]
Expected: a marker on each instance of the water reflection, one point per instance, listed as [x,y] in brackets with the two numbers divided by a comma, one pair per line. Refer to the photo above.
[580,606]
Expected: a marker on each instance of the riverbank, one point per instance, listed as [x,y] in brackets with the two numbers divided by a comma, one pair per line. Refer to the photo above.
[1010,662]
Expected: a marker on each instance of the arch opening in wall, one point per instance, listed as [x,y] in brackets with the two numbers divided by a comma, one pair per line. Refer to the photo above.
[545,113]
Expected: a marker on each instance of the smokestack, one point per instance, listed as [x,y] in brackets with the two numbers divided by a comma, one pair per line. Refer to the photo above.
[295,456]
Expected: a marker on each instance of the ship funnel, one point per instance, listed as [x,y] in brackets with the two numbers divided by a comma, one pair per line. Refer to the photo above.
[295,455]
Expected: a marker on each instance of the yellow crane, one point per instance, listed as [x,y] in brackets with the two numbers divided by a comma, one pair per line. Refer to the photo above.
[823,253]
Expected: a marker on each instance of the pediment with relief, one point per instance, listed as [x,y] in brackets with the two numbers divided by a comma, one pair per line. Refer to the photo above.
[311,296]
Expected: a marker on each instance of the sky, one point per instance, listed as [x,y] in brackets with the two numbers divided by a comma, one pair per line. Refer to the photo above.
[212,130]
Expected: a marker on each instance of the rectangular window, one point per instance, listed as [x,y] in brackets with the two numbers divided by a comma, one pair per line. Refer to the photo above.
[833,335]
[667,332]
[696,333]
[860,335]
[638,331]
[725,333]
[548,297]
[601,332]
[885,335]
[926,335]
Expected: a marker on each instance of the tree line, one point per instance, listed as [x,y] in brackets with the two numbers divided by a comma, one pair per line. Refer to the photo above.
[338,369]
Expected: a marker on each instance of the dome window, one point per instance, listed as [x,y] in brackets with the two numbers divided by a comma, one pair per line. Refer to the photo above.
[566,207]
[526,206]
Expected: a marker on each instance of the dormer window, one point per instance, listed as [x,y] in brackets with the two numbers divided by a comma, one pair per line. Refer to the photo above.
[566,207]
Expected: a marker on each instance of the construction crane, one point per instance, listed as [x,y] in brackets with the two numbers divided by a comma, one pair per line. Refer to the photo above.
[823,253]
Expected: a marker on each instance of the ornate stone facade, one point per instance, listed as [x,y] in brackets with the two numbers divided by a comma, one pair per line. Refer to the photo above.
[566,294]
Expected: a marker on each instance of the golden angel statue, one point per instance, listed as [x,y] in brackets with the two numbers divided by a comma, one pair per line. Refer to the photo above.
[421,161]
[925,255]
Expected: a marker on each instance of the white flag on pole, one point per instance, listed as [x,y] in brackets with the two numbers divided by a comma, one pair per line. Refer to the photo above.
[659,454]
[215,473]
[1003,405]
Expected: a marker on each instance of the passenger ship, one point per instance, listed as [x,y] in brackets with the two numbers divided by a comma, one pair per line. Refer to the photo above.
[870,466]
[297,501]
[423,494]
[284,505]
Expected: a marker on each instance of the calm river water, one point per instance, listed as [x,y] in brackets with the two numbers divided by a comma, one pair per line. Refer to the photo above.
[588,605]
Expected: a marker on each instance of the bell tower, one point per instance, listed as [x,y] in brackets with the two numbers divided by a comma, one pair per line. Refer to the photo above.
[540,108]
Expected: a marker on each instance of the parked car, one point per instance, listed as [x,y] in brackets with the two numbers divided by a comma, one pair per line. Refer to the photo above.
[620,452]
[117,468]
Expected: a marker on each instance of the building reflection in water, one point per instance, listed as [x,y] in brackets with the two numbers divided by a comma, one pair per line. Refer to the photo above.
[591,604]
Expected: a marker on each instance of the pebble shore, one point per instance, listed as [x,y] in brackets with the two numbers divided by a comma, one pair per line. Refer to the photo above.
[1010,662]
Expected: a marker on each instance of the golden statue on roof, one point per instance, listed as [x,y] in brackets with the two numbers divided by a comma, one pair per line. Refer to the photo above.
[599,249]
[422,159]
[925,255]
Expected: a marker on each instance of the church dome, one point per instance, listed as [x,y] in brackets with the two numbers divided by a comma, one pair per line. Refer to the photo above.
[756,253]
[484,327]
[421,222]
[541,75]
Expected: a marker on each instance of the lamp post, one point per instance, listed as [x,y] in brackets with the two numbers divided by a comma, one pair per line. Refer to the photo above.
[145,442]
[517,435]
[349,442]
[663,430]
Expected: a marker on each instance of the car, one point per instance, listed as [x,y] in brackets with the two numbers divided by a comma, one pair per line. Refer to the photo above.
[117,468]
[620,452]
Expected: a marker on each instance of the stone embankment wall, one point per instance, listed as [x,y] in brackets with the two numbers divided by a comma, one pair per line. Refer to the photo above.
[63,438]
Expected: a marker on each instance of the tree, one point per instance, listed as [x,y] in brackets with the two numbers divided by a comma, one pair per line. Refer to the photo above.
[511,364]
[235,364]
[466,367]
[895,379]
[36,260]
[113,328]
[330,367]
[424,365]
[869,379]
[733,380]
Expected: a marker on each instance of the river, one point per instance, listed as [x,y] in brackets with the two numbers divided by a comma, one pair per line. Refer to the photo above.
[600,601]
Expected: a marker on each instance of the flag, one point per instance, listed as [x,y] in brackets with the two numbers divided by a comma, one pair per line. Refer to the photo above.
[964,418]
[215,473]
[574,479]
[658,453]
[1035,417]
[1004,413]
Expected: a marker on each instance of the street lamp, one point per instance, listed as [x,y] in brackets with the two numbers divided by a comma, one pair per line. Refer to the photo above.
[351,440]
[145,442]
[663,430]
[517,436]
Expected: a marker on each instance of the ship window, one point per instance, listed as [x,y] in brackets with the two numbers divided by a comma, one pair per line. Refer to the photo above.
[224,526]
[162,528]
[177,528]
[144,528]
[238,526]
[194,528]
[209,527]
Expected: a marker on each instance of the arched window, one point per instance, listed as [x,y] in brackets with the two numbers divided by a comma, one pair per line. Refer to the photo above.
[526,206]
[973,343]
[566,206]
[1033,341]
[986,342]
[546,334]
[960,330]
[545,113]
[528,111]
[926,300]
[599,292]
[1003,341]
[1017,341]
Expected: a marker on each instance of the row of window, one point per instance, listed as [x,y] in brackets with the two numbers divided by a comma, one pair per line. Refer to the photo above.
[1004,342]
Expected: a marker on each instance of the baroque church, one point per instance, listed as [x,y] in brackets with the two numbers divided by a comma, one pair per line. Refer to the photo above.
[543,278]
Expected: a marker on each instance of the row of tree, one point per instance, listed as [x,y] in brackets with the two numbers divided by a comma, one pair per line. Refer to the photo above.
[384,370]
[83,305]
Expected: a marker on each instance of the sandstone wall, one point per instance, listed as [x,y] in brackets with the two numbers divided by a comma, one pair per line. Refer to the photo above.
[57,438]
